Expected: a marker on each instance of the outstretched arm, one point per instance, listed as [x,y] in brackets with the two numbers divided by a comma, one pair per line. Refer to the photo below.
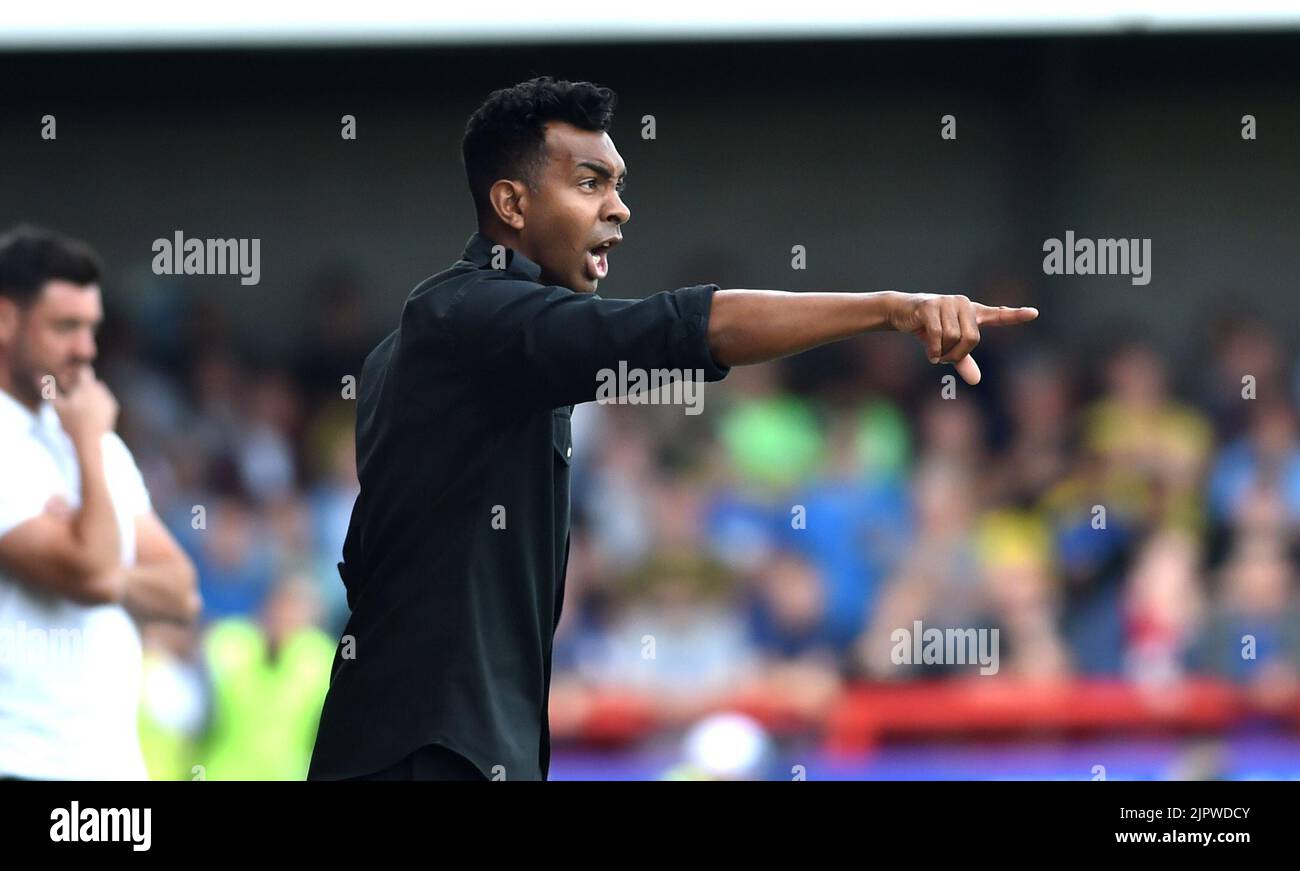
[751,326]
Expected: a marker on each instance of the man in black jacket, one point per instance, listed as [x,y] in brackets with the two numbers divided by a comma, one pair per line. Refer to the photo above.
[455,558]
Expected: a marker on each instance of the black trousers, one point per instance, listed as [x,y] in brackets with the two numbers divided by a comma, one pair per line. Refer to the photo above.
[431,762]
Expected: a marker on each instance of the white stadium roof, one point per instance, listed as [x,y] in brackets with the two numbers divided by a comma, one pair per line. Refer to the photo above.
[172,23]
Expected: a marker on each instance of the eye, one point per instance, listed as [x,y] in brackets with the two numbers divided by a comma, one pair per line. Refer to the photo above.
[588,181]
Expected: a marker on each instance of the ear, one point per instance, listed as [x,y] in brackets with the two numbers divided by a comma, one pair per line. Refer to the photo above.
[10,318]
[509,200]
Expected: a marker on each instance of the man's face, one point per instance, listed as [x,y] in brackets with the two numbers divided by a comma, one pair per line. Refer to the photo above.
[575,208]
[54,335]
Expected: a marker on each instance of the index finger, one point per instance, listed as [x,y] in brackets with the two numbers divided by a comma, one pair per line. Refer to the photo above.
[82,375]
[1002,315]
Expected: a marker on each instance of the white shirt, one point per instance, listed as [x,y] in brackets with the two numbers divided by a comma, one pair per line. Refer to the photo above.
[70,674]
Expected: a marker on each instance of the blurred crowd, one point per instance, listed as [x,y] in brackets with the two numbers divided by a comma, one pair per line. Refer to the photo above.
[1112,516]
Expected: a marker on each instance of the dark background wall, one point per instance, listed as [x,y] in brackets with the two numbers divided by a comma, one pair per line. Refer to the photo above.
[760,146]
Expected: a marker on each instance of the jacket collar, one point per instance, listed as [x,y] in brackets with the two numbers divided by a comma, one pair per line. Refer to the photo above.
[478,251]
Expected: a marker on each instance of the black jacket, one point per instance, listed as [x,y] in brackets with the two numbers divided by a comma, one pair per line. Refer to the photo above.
[455,555]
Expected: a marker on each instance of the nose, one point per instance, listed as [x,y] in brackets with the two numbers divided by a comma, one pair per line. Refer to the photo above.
[85,348]
[618,212]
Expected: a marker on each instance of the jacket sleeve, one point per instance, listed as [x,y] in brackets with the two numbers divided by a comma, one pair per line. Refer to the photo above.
[550,345]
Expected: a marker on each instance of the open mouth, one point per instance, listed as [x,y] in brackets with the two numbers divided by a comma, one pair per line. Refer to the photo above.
[598,261]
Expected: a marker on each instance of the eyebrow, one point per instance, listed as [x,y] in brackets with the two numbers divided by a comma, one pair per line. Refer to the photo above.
[600,169]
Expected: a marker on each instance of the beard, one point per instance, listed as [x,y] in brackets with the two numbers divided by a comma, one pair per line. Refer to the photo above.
[26,385]
[33,383]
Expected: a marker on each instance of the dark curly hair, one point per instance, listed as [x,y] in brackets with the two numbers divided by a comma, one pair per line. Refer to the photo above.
[31,256]
[506,138]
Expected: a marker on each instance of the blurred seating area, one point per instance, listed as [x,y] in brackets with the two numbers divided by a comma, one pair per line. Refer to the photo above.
[1128,527]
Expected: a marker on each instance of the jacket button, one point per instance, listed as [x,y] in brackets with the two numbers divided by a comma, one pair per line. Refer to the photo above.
[568,452]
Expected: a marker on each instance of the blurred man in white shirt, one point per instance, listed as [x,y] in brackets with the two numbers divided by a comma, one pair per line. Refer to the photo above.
[83,556]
